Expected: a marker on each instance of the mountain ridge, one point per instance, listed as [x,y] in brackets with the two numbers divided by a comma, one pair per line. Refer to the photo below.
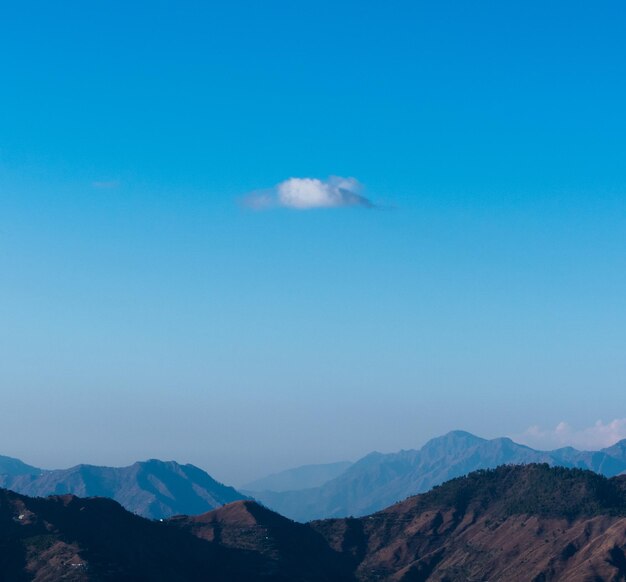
[159,489]
[378,480]
[153,488]
[514,523]
[12,466]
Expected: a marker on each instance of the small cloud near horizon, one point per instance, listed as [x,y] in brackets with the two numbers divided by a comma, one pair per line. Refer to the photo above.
[598,436]
[310,193]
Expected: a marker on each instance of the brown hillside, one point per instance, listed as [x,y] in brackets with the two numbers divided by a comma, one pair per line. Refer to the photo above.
[527,523]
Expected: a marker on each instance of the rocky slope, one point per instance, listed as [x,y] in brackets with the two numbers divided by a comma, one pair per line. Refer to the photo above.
[531,523]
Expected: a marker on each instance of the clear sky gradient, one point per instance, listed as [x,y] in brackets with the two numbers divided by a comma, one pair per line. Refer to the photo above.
[147,311]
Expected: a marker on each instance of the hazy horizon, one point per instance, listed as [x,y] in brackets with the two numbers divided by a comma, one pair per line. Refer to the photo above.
[242,478]
[253,236]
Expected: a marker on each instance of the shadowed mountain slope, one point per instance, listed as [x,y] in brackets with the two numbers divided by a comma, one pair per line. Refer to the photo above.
[511,524]
[295,550]
[154,489]
[68,538]
[378,480]
[74,539]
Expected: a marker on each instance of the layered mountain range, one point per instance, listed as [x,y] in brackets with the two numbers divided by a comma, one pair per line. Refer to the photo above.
[158,489]
[378,480]
[153,489]
[514,523]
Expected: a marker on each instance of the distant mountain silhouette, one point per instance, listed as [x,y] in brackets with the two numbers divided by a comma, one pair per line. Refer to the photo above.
[153,489]
[378,480]
[158,489]
[530,523]
[11,466]
[303,477]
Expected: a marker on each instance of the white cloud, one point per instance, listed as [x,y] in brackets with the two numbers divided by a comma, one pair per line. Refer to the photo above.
[309,193]
[594,437]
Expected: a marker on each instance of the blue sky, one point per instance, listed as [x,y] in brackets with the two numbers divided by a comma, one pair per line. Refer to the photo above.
[147,311]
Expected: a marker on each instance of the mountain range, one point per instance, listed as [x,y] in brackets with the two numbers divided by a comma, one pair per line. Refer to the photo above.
[153,489]
[378,480]
[158,489]
[530,523]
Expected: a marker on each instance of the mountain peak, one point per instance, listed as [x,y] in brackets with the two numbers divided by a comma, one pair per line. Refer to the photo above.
[454,438]
[155,489]
[243,513]
[11,466]
[462,434]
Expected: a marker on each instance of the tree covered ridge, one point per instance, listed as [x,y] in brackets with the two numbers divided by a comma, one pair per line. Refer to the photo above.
[536,489]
